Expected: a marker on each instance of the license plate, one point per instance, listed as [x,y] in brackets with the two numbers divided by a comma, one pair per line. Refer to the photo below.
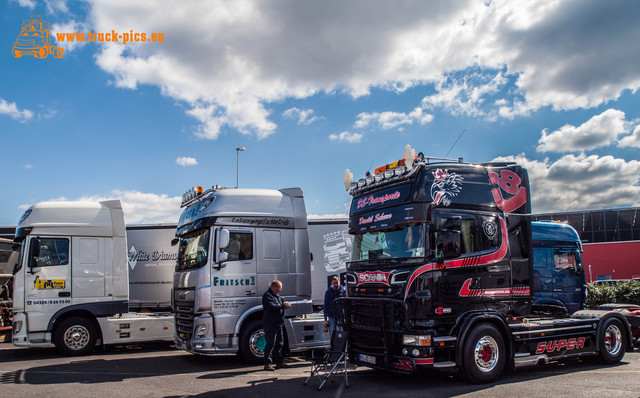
[367,359]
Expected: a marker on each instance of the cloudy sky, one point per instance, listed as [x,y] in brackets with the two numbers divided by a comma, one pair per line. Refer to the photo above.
[311,88]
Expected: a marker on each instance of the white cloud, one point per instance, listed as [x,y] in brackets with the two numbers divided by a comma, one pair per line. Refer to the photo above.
[235,57]
[55,6]
[580,182]
[142,207]
[46,113]
[304,116]
[346,136]
[186,161]
[11,109]
[468,94]
[600,130]
[632,140]
[31,4]
[28,166]
[389,120]
[139,207]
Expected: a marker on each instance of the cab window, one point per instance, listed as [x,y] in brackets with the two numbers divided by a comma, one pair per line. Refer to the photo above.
[564,260]
[478,232]
[240,246]
[53,251]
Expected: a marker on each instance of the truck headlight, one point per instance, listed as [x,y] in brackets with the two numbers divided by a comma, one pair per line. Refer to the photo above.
[416,339]
[201,331]
[17,327]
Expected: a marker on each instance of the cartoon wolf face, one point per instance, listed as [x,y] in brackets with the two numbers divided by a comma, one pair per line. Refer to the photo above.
[445,187]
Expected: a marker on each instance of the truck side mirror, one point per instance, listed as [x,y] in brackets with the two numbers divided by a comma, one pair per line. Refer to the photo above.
[222,239]
[175,241]
[222,242]
[221,257]
[34,252]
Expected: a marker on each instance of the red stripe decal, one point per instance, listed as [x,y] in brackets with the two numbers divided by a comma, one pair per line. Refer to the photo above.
[466,291]
[486,259]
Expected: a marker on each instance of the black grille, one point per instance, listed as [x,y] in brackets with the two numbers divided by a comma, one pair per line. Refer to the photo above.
[375,325]
[183,318]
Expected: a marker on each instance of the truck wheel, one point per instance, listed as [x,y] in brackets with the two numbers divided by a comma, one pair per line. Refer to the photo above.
[42,53]
[252,342]
[612,344]
[75,336]
[484,355]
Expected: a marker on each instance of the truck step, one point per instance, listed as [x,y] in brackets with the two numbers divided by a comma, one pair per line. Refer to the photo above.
[448,364]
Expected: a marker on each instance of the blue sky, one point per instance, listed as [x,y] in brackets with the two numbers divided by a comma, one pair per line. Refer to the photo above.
[313,88]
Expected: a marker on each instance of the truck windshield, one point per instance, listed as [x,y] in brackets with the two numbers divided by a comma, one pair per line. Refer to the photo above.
[193,250]
[406,243]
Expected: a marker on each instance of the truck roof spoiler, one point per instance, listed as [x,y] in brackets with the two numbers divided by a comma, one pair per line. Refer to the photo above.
[294,192]
[112,204]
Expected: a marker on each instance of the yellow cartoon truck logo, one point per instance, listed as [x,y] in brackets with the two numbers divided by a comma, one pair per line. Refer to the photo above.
[35,39]
[48,283]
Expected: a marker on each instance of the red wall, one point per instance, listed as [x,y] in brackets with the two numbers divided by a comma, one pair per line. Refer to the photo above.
[621,260]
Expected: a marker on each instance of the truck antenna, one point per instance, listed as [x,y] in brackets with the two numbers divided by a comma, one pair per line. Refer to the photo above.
[454,144]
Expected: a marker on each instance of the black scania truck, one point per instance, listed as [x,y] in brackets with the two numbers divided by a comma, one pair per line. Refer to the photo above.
[441,275]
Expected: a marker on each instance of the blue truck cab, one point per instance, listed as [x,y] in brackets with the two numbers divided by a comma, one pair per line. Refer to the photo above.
[558,275]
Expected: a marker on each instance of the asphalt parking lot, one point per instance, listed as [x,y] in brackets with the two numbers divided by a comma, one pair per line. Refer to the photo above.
[161,371]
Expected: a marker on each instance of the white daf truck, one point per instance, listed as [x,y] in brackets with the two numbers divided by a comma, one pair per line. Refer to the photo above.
[71,287]
[232,244]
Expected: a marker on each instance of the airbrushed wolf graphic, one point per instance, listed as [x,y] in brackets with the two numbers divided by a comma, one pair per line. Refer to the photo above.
[445,186]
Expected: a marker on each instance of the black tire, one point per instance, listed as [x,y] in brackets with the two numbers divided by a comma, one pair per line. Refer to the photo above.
[75,336]
[613,343]
[252,342]
[484,355]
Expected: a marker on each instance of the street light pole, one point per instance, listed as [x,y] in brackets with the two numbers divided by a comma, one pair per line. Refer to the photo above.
[238,150]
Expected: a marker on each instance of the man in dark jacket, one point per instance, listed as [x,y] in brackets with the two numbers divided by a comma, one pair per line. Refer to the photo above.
[272,322]
[334,291]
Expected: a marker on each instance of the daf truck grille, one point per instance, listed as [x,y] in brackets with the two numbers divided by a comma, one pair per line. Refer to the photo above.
[183,317]
[374,324]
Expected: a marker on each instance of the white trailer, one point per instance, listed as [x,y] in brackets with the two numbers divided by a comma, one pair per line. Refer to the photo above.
[71,288]
[330,246]
[152,261]
[8,260]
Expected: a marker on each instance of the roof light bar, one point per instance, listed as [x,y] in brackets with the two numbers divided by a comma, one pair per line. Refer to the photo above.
[196,193]
[394,171]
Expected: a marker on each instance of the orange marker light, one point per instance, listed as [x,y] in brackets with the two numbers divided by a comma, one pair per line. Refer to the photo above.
[380,169]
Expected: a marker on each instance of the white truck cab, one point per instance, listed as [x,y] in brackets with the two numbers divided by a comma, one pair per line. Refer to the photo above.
[71,288]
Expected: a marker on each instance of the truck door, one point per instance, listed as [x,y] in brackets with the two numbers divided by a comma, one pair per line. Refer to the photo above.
[274,250]
[542,273]
[234,285]
[568,278]
[47,279]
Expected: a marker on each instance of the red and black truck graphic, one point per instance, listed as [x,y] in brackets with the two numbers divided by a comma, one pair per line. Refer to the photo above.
[441,275]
